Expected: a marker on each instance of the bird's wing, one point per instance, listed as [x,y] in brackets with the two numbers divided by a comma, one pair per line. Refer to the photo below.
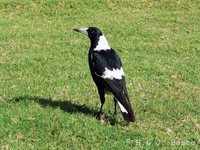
[108,59]
[108,67]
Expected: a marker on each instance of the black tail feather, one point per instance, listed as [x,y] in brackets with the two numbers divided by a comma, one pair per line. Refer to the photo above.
[128,117]
[128,113]
[121,95]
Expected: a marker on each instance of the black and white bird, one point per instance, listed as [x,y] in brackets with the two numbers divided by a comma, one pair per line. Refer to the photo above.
[107,72]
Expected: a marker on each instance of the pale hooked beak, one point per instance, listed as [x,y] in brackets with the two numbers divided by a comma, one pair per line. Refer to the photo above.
[82,30]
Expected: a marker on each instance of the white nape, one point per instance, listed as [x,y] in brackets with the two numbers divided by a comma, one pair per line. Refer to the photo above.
[102,44]
[113,74]
[122,107]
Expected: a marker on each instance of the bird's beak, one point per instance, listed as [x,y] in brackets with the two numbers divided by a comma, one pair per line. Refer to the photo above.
[82,30]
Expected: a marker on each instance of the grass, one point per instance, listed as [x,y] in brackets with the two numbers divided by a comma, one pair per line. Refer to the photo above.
[48,99]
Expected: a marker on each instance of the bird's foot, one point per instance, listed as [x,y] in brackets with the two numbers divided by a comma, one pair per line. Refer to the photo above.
[101,117]
[98,115]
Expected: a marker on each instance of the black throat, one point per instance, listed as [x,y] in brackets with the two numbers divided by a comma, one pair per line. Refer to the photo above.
[94,35]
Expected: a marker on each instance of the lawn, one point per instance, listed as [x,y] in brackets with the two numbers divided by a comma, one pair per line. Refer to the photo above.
[48,99]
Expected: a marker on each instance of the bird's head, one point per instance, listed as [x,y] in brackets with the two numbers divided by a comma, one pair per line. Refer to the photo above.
[92,32]
[98,40]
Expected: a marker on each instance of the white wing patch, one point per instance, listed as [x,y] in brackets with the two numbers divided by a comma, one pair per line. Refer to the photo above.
[122,107]
[113,74]
[102,44]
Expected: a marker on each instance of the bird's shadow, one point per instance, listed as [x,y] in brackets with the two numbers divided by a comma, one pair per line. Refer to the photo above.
[66,106]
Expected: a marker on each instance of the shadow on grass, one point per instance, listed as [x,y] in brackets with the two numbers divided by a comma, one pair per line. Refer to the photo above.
[66,106]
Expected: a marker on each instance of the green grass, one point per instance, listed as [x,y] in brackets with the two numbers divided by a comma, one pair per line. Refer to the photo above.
[48,99]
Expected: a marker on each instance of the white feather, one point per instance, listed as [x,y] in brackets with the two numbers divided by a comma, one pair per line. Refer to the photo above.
[102,44]
[113,74]
[122,107]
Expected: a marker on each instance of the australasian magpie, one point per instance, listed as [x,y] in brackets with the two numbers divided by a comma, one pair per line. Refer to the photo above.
[107,72]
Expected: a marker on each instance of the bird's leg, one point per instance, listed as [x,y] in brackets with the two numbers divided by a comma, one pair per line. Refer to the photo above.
[115,112]
[100,111]
[102,98]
